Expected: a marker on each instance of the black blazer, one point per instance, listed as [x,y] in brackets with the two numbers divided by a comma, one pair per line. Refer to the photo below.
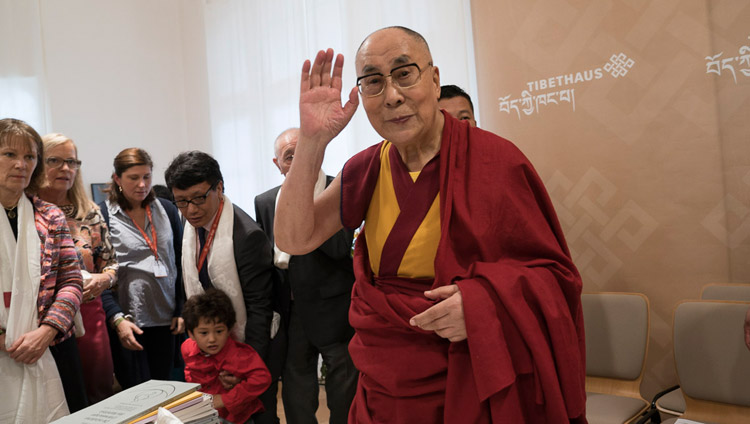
[253,254]
[321,280]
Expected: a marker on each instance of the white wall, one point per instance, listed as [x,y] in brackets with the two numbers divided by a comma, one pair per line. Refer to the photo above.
[126,74]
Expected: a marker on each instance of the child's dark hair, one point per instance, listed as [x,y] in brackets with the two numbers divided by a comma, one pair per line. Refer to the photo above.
[213,306]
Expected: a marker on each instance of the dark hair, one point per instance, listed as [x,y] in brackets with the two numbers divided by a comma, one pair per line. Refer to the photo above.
[160,190]
[213,305]
[125,160]
[11,129]
[451,91]
[191,168]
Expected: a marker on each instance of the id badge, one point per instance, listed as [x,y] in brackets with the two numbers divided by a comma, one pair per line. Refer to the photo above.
[160,269]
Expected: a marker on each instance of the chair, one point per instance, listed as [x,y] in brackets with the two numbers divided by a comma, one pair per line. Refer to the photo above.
[617,331]
[738,292]
[713,363]
[672,401]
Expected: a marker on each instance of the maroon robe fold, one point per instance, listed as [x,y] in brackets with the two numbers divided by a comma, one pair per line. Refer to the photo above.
[501,243]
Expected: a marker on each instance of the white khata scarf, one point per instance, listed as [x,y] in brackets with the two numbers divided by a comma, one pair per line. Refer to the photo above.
[222,269]
[31,393]
[281,258]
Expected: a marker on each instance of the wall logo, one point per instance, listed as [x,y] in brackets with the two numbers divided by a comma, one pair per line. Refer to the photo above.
[715,64]
[559,89]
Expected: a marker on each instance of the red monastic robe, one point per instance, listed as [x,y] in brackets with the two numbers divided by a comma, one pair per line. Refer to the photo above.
[501,243]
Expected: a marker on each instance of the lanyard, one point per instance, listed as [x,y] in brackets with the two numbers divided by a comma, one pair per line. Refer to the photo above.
[210,236]
[153,243]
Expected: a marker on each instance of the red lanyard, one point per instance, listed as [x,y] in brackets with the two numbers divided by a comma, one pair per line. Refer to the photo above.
[210,236]
[151,244]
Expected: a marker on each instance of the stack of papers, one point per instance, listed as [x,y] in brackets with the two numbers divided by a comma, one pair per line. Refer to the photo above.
[139,405]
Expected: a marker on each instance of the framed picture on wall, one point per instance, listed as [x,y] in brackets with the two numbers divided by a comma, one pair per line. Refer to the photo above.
[97,192]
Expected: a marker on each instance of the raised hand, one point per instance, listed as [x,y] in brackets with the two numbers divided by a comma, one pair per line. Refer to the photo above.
[321,115]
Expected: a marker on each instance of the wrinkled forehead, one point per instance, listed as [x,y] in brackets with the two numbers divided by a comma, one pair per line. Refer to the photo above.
[18,142]
[284,140]
[389,48]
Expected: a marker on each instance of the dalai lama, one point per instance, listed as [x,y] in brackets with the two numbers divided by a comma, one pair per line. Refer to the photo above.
[466,304]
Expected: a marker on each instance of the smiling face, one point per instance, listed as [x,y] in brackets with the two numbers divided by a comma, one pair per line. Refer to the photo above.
[18,159]
[199,215]
[135,182]
[403,116]
[210,336]
[62,178]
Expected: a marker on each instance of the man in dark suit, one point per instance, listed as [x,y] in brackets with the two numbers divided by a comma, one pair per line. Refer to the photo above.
[224,248]
[317,323]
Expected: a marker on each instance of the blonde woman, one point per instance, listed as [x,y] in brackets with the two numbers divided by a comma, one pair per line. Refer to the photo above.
[63,186]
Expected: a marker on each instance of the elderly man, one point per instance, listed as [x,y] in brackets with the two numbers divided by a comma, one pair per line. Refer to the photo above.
[466,306]
[224,248]
[321,287]
[457,103]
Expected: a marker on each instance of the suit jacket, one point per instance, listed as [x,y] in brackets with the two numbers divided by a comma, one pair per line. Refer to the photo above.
[253,255]
[321,281]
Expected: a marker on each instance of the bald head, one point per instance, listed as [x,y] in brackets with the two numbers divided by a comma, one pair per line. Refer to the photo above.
[415,36]
[283,149]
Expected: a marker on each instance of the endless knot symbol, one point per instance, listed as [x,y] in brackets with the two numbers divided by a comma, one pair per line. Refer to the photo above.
[619,65]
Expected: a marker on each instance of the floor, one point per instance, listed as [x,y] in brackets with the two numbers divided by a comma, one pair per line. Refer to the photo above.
[323,415]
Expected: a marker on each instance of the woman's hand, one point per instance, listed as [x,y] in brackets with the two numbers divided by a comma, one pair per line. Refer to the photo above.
[31,346]
[94,287]
[125,332]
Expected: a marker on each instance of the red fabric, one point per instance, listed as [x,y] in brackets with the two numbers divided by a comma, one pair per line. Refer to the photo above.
[240,360]
[502,245]
[95,352]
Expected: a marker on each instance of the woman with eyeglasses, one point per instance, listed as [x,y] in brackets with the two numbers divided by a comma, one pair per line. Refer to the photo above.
[63,186]
[145,310]
[39,298]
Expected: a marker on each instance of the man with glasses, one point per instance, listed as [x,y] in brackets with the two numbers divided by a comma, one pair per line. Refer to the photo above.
[224,248]
[466,306]
[317,318]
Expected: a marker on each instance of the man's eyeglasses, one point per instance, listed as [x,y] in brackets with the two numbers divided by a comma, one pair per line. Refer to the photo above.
[197,201]
[403,76]
[55,162]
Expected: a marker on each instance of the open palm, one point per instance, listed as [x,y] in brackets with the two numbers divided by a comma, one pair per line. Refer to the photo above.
[321,115]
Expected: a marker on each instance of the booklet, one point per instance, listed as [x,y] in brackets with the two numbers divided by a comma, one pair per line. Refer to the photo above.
[131,404]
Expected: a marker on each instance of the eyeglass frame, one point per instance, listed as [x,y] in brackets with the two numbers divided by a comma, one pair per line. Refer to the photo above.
[69,162]
[189,201]
[419,78]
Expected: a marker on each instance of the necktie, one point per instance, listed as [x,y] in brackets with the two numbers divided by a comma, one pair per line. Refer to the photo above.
[203,272]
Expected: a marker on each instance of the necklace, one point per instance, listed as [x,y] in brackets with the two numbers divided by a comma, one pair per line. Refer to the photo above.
[11,212]
[69,210]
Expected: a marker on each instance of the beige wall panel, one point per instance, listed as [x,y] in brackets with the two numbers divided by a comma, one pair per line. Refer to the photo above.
[644,153]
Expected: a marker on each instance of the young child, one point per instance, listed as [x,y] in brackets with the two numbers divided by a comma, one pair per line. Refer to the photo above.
[209,318]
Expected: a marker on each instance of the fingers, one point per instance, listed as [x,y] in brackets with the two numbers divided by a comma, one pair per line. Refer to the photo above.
[443,292]
[317,69]
[305,82]
[326,74]
[338,68]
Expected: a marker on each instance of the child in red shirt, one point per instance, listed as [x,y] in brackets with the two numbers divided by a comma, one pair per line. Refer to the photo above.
[210,350]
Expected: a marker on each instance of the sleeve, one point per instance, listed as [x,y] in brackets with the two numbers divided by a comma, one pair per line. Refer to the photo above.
[176,224]
[67,274]
[242,401]
[106,259]
[254,260]
[109,304]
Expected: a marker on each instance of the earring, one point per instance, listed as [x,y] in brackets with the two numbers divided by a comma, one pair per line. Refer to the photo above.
[119,188]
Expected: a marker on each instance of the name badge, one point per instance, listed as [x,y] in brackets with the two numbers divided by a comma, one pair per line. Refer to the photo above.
[160,269]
